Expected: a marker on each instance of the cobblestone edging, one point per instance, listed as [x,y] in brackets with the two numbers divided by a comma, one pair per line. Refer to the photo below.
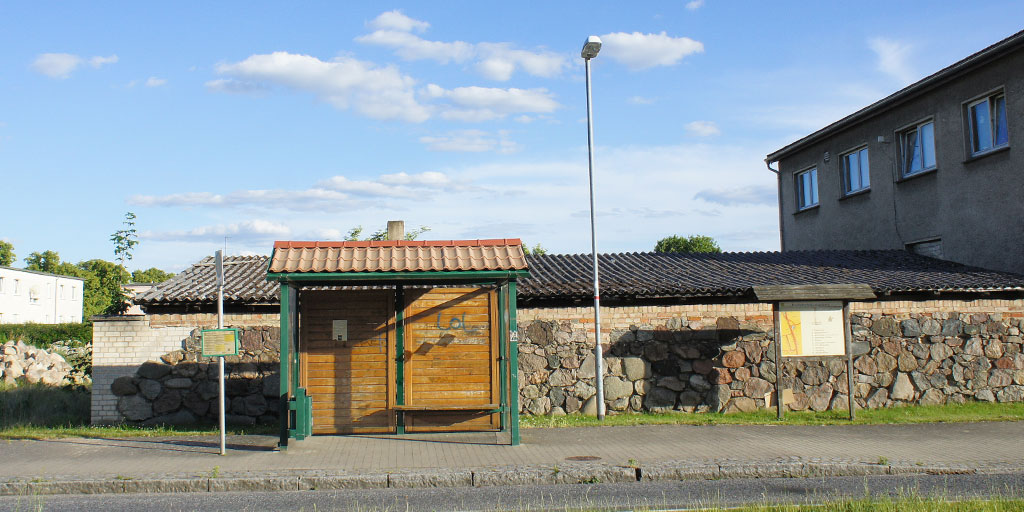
[589,473]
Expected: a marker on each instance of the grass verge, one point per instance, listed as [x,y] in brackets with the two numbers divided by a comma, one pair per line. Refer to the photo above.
[37,411]
[898,504]
[955,413]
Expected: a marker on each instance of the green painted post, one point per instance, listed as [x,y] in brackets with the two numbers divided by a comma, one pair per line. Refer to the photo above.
[400,357]
[502,358]
[283,379]
[303,414]
[513,363]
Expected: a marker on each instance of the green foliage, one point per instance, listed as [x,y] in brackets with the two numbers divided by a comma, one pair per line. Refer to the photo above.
[44,335]
[47,261]
[125,240]
[152,275]
[537,250]
[6,254]
[382,234]
[692,243]
[103,291]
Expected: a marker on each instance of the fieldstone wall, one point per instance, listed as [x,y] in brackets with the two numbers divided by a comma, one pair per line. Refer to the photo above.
[182,387]
[722,359]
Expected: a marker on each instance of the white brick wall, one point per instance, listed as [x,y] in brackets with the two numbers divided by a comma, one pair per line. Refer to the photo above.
[120,345]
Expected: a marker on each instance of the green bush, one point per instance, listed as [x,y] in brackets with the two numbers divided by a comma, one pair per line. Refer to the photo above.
[45,335]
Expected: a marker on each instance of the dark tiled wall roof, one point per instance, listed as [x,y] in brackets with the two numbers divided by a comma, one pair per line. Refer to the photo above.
[651,275]
[647,275]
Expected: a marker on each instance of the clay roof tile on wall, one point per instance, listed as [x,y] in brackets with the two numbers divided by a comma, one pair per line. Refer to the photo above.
[398,256]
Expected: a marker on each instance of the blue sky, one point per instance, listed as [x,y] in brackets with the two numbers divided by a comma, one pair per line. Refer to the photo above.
[277,121]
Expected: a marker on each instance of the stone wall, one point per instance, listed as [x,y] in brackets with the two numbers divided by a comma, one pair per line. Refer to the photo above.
[182,387]
[122,343]
[687,358]
[703,358]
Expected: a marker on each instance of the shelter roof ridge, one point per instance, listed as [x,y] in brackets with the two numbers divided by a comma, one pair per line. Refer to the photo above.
[322,244]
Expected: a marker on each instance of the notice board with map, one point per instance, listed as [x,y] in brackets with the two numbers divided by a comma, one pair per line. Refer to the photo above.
[812,328]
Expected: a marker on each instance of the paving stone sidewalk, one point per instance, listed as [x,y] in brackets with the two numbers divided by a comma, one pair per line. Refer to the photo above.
[547,456]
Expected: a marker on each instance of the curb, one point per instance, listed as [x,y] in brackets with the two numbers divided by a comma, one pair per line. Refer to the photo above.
[520,475]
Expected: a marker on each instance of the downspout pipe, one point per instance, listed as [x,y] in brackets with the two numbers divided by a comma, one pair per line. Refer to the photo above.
[778,189]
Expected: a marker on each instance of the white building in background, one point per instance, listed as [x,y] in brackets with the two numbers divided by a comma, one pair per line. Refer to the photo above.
[29,296]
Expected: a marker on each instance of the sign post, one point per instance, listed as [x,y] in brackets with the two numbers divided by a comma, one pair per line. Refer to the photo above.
[218,343]
[813,321]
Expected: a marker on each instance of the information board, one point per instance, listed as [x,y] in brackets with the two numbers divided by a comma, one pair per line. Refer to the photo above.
[220,342]
[812,328]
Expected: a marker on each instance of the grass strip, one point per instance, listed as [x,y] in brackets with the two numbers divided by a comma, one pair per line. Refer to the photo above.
[951,413]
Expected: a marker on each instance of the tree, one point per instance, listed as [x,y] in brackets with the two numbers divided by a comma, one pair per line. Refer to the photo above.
[103,287]
[152,275]
[382,234]
[6,253]
[537,250]
[125,240]
[692,243]
[47,261]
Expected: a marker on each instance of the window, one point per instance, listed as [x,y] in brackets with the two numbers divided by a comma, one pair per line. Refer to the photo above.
[17,287]
[1,285]
[917,148]
[61,291]
[72,292]
[987,123]
[855,171]
[807,188]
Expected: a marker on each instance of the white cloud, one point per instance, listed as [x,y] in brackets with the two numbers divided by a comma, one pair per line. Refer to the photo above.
[760,194]
[396,20]
[155,82]
[98,62]
[641,51]
[471,141]
[232,86]
[893,58]
[61,65]
[484,103]
[641,100]
[336,193]
[374,91]
[702,128]
[693,5]
[246,231]
[411,47]
[496,61]
[56,65]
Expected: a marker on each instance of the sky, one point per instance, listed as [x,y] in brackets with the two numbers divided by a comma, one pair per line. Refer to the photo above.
[235,124]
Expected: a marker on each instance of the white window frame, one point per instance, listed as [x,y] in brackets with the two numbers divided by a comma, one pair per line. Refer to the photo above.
[17,286]
[902,134]
[1,284]
[993,121]
[862,162]
[800,205]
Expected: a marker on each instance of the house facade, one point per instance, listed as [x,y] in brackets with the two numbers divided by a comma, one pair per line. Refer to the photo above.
[29,296]
[935,168]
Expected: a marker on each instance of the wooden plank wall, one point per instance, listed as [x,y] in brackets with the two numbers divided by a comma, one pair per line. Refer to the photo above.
[351,383]
[450,357]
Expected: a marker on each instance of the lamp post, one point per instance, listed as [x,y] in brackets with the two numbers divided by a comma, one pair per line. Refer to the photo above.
[590,49]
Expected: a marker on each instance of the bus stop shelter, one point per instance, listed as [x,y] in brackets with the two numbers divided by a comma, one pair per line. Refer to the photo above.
[398,336]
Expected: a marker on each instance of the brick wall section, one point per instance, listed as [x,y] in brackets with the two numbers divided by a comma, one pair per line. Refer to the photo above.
[122,343]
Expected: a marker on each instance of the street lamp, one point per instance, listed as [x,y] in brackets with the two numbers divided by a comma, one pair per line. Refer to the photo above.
[590,49]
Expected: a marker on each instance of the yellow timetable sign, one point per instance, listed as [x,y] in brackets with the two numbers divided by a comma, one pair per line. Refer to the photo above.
[220,342]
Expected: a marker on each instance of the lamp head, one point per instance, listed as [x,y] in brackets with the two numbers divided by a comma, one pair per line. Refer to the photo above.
[591,47]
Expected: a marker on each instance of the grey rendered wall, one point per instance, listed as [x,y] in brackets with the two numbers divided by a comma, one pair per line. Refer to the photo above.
[973,205]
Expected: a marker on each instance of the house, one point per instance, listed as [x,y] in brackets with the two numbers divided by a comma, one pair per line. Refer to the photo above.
[936,168]
[681,332]
[30,296]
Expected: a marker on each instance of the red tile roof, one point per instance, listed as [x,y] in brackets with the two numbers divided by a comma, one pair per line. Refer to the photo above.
[398,256]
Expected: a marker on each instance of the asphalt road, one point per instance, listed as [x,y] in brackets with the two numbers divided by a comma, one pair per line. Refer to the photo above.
[627,496]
